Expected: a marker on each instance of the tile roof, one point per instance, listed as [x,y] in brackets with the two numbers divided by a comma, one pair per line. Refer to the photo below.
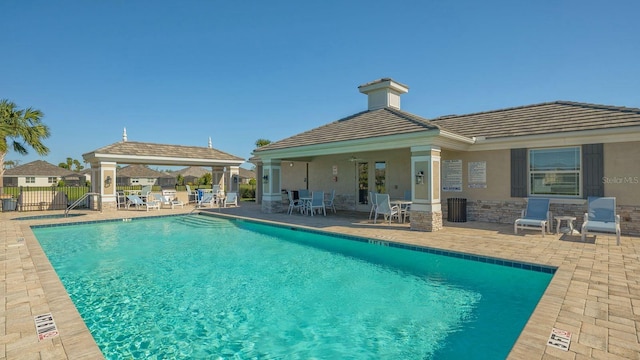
[196,171]
[544,118]
[134,148]
[246,173]
[38,168]
[363,125]
[140,171]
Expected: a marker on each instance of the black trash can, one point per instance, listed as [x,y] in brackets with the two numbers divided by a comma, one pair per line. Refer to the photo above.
[456,210]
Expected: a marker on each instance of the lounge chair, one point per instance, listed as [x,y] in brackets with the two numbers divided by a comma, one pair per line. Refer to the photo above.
[172,197]
[167,201]
[328,203]
[293,204]
[317,202]
[192,195]
[383,207]
[536,214]
[137,202]
[231,199]
[207,199]
[601,217]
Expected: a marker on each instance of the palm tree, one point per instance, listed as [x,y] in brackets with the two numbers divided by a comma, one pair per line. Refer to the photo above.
[19,129]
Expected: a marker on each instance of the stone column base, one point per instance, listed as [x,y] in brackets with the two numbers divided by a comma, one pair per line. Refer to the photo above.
[272,207]
[426,221]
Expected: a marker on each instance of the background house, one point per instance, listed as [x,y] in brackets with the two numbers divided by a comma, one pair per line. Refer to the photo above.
[191,174]
[133,175]
[41,173]
[245,176]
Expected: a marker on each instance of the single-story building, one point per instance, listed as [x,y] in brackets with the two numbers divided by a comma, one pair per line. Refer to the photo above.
[41,173]
[142,175]
[495,160]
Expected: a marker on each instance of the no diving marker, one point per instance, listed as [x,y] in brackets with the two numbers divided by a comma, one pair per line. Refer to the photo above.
[45,326]
[560,339]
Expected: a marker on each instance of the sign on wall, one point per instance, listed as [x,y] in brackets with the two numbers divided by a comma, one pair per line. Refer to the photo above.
[478,175]
[452,175]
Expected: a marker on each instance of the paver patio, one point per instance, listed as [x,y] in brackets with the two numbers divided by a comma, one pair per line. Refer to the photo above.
[595,292]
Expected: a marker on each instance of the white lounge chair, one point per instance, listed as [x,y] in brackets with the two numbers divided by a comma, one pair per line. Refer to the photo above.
[601,217]
[137,202]
[293,204]
[383,207]
[536,214]
[192,195]
[231,199]
[207,199]
[171,196]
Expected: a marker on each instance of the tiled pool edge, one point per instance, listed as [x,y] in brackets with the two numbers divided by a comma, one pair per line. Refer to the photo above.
[460,255]
[74,334]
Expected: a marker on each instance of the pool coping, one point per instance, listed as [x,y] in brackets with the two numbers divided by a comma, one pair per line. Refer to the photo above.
[595,292]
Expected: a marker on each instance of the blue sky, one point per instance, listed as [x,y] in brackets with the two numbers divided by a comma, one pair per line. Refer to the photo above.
[178,72]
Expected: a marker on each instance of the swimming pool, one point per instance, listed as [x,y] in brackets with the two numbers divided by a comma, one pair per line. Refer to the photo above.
[199,287]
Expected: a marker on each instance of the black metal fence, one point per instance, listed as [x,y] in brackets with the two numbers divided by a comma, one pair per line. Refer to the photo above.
[41,198]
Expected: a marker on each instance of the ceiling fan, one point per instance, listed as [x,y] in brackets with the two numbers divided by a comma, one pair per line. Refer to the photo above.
[355,159]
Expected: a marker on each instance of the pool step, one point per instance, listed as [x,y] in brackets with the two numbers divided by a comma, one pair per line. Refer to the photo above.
[205,222]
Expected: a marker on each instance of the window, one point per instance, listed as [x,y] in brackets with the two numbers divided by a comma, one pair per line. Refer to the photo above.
[52,179]
[554,171]
[30,180]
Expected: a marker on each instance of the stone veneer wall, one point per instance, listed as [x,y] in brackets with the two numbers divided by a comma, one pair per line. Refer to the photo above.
[426,221]
[506,212]
[271,207]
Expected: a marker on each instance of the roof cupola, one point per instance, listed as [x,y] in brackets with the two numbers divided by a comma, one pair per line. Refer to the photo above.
[383,93]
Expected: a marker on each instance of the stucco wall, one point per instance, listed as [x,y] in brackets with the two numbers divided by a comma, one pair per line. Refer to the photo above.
[498,175]
[622,172]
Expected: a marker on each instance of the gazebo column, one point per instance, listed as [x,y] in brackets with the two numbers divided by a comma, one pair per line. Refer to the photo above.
[103,181]
[232,177]
[426,211]
[271,195]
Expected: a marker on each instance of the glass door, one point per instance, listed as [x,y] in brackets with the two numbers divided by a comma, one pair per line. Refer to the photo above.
[363,185]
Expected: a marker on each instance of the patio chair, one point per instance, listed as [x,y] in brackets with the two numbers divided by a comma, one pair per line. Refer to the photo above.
[121,200]
[207,199]
[372,200]
[601,217]
[328,203]
[293,204]
[536,214]
[317,202]
[171,196]
[137,202]
[383,207]
[167,200]
[303,193]
[146,190]
[231,199]
[192,195]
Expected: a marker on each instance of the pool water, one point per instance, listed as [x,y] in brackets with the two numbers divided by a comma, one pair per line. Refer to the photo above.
[197,287]
[49,216]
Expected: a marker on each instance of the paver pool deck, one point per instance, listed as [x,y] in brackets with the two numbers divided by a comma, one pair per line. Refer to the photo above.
[595,293]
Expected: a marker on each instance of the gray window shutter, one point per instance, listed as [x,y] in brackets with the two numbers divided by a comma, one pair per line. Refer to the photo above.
[519,173]
[592,170]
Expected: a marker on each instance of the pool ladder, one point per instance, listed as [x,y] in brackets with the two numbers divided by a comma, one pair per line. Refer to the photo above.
[81,199]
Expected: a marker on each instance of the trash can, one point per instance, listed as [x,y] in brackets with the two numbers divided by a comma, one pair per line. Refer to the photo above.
[9,205]
[456,210]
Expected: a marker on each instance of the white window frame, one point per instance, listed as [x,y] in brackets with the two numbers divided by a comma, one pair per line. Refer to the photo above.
[531,172]
[52,180]
[30,180]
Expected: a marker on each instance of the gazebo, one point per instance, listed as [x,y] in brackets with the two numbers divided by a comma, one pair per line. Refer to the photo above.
[104,160]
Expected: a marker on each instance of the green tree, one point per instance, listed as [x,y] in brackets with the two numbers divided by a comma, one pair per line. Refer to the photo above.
[19,130]
[10,164]
[262,142]
[71,164]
